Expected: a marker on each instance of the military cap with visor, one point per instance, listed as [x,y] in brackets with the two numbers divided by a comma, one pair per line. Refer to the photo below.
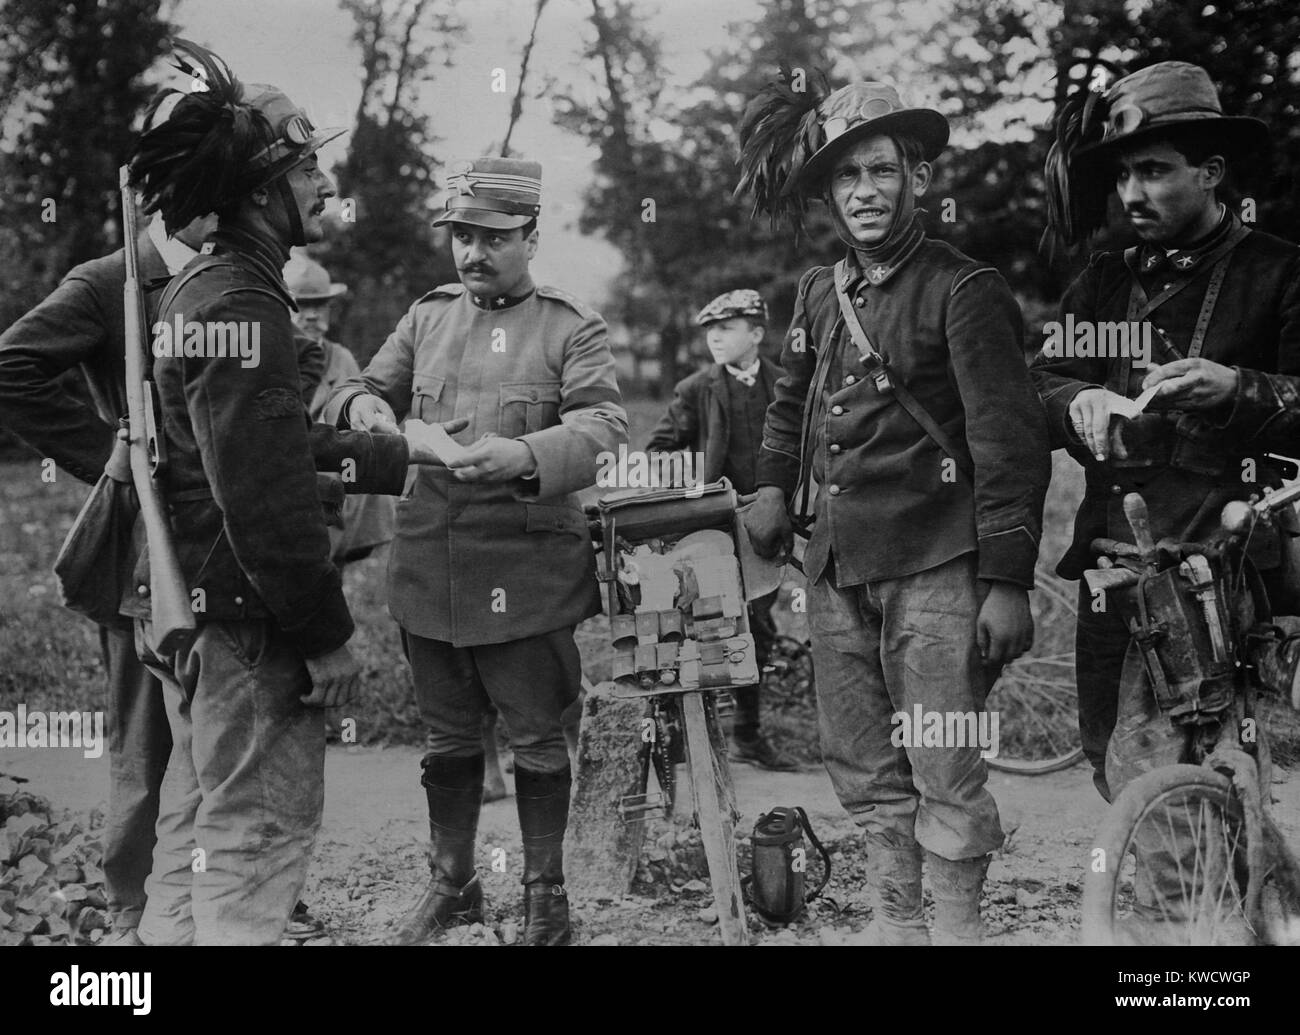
[496,193]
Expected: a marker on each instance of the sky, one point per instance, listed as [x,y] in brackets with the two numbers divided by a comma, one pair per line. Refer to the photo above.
[305,48]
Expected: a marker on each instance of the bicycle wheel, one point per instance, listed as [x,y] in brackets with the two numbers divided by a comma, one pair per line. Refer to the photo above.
[1169,865]
[706,758]
[1035,698]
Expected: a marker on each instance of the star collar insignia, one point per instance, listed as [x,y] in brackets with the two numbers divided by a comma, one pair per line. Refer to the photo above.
[877,273]
[1184,262]
[499,302]
[1152,260]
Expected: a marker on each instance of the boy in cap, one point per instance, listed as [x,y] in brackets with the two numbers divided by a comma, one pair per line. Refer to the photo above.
[718,411]
[245,781]
[906,397]
[1225,304]
[492,565]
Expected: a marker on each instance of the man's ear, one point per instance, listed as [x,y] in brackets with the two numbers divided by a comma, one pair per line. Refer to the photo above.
[921,178]
[532,243]
[1213,170]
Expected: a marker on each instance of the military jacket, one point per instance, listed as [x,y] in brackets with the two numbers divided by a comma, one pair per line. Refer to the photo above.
[240,481]
[1185,464]
[890,502]
[475,564]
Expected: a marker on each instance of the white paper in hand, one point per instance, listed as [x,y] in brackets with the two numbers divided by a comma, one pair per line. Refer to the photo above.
[434,438]
[1130,408]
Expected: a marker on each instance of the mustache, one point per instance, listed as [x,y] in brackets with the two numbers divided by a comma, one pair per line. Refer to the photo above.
[478,267]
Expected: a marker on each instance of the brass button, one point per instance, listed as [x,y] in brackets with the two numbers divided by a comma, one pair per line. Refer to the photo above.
[835,447]
[142,590]
[1116,489]
[860,302]
[239,601]
[834,490]
[849,379]
[836,411]
[532,397]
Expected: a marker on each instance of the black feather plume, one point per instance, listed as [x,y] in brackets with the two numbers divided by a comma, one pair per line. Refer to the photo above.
[778,134]
[197,159]
[1077,191]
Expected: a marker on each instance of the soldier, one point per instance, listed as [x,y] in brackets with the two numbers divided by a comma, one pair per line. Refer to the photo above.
[244,785]
[718,411]
[1225,304]
[929,450]
[492,566]
[367,519]
[81,325]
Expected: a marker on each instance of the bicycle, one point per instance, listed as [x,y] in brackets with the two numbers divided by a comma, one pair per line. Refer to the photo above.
[1188,853]
[675,598]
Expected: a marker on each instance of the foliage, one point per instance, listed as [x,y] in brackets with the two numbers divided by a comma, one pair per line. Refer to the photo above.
[71,82]
[996,68]
[385,249]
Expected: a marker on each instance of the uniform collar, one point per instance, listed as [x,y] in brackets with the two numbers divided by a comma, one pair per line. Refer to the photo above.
[872,269]
[500,301]
[266,255]
[1186,261]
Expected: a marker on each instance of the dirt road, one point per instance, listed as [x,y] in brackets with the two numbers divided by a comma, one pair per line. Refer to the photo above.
[369,858]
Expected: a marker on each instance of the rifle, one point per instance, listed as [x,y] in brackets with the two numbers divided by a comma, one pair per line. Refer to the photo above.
[169,595]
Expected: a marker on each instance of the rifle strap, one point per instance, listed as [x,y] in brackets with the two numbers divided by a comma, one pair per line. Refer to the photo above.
[1140,306]
[875,364]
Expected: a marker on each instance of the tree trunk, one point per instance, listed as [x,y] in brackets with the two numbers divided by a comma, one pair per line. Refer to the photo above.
[600,850]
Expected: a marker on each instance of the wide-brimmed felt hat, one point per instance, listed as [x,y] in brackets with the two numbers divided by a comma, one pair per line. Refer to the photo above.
[861,110]
[497,193]
[1168,95]
[308,281]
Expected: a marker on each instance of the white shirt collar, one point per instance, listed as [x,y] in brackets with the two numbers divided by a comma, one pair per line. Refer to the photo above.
[745,375]
[176,254]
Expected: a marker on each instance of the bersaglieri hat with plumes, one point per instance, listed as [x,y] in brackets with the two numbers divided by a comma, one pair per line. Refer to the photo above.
[208,146]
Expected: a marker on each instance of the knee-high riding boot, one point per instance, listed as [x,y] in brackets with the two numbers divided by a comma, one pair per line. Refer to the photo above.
[454,789]
[543,801]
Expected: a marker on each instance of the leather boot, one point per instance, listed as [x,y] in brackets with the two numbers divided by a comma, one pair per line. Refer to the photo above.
[894,883]
[1277,659]
[956,887]
[543,801]
[454,788]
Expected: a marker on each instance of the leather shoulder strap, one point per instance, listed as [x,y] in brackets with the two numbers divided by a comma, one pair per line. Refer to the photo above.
[872,360]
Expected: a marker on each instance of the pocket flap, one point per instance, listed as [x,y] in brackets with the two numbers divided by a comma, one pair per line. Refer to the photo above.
[549,517]
[530,392]
[428,385]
